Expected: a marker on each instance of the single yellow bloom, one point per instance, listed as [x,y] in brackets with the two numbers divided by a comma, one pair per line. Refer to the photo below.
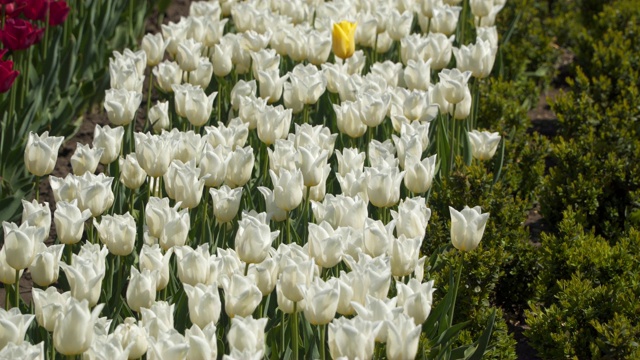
[344,44]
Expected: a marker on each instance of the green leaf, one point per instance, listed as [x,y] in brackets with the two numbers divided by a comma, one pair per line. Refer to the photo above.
[483,341]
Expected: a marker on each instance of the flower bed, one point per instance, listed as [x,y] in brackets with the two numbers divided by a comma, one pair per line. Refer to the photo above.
[304,192]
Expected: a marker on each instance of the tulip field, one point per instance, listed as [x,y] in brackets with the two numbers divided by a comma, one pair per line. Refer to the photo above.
[304,179]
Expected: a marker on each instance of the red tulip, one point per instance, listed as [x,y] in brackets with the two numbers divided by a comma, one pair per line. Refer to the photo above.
[58,11]
[19,34]
[7,75]
[13,10]
[34,9]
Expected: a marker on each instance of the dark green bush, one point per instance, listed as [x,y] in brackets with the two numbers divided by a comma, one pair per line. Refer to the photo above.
[599,126]
[587,295]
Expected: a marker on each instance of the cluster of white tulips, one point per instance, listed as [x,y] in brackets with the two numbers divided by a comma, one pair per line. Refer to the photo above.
[174,227]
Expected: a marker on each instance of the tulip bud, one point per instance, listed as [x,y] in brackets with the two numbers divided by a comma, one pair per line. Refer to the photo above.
[121,105]
[295,279]
[157,319]
[193,265]
[213,164]
[383,185]
[412,217]
[7,273]
[85,159]
[41,153]
[321,302]
[349,119]
[438,49]
[152,154]
[477,58]
[453,84]
[319,47]
[13,326]
[85,275]
[403,338]
[253,239]
[352,338]
[110,140]
[141,291]
[169,344]
[265,275]
[132,337]
[159,116]
[419,174]
[45,266]
[239,167]
[444,20]
[325,246]
[273,211]
[152,259]
[73,330]
[20,244]
[184,184]
[271,85]
[221,60]
[416,299]
[203,344]
[154,46]
[343,35]
[467,227]
[188,53]
[125,73]
[247,334]
[483,144]
[48,303]
[287,188]
[204,304]
[198,106]
[167,74]
[241,296]
[38,215]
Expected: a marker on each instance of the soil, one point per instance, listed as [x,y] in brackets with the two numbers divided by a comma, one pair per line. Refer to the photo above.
[543,121]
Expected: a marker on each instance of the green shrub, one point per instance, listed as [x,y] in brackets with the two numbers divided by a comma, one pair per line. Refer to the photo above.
[527,44]
[587,295]
[599,127]
[501,260]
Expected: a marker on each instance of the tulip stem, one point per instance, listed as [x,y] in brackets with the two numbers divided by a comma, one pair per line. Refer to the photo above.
[451,138]
[323,330]
[305,219]
[305,114]
[37,188]
[149,98]
[53,348]
[294,330]
[131,201]
[17,284]
[455,291]
[203,236]
[288,228]
[246,269]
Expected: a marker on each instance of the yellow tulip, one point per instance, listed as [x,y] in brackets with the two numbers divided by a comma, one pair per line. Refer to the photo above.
[343,39]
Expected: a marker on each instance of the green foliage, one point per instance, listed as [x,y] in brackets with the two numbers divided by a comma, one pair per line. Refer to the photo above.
[503,342]
[587,295]
[504,258]
[527,48]
[599,126]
